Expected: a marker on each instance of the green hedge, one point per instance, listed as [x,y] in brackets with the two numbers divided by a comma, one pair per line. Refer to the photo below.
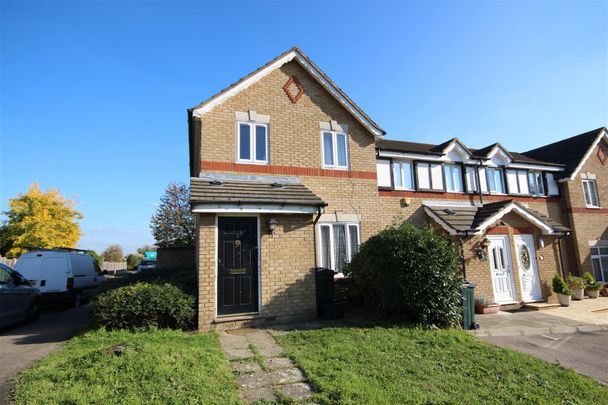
[409,273]
[142,306]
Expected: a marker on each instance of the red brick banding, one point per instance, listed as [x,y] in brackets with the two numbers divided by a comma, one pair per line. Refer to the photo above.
[287,170]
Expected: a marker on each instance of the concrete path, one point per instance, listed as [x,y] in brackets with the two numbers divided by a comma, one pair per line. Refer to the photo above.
[262,372]
[589,315]
[23,345]
[584,352]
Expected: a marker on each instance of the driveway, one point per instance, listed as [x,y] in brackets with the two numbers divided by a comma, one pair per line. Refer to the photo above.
[23,345]
[584,352]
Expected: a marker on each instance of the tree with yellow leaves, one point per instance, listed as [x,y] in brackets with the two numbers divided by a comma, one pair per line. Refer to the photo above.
[42,219]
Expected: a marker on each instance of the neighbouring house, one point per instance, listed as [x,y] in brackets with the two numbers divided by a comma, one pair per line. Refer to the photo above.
[289,174]
[584,187]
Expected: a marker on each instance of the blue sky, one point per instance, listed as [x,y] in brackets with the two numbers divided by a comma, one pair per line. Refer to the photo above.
[94,93]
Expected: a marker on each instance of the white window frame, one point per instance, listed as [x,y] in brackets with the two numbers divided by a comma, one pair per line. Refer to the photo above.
[252,144]
[399,164]
[599,257]
[490,170]
[539,178]
[457,167]
[429,169]
[334,140]
[589,204]
[332,253]
[475,185]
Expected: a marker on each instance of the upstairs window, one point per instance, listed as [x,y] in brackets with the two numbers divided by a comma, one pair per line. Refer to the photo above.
[402,173]
[429,176]
[517,182]
[496,184]
[599,260]
[590,192]
[334,147]
[470,176]
[339,242]
[537,184]
[252,143]
[453,178]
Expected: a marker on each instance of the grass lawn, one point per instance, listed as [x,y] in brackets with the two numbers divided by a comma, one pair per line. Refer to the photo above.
[401,365]
[159,366]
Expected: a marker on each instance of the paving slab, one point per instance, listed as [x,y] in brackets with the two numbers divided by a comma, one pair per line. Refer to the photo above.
[238,354]
[248,367]
[276,363]
[287,376]
[255,380]
[297,391]
[258,394]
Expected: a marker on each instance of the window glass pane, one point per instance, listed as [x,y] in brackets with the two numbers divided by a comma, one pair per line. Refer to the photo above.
[328,149]
[604,263]
[449,180]
[602,251]
[586,192]
[593,191]
[260,143]
[491,180]
[500,188]
[471,179]
[408,181]
[424,178]
[397,175]
[325,247]
[354,239]
[436,177]
[339,247]
[540,184]
[457,178]
[597,269]
[532,181]
[244,142]
[341,146]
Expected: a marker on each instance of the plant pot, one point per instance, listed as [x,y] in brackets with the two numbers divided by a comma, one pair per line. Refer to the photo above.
[578,293]
[592,293]
[564,299]
[489,309]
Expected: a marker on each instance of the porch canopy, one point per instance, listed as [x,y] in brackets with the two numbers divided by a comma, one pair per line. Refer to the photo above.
[233,193]
[475,219]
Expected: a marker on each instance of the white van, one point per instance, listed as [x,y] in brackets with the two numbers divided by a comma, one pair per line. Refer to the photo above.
[61,273]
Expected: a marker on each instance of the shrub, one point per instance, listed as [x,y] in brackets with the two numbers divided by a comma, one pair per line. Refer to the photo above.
[483,300]
[560,286]
[133,261]
[575,282]
[590,282]
[143,305]
[409,274]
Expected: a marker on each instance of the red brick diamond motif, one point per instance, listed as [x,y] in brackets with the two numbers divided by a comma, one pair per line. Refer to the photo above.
[601,153]
[293,89]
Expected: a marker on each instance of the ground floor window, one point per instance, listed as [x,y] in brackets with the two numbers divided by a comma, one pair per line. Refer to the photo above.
[599,259]
[339,242]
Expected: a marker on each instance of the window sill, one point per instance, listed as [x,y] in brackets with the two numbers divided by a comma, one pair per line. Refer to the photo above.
[593,207]
[335,168]
[247,162]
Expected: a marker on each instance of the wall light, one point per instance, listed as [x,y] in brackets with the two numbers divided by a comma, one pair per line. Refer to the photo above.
[272,225]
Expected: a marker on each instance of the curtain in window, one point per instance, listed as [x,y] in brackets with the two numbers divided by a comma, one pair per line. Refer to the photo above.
[326,248]
[339,247]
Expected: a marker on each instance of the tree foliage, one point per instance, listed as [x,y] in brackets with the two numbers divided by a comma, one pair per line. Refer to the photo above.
[409,273]
[113,253]
[43,219]
[97,257]
[173,224]
[133,261]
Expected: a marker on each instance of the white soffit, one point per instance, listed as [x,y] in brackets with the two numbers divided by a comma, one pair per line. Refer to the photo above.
[314,72]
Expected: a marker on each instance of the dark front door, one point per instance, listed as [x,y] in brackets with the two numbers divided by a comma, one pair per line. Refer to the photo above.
[237,263]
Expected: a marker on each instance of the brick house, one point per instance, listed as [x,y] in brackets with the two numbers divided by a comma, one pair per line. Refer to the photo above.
[289,174]
[584,187]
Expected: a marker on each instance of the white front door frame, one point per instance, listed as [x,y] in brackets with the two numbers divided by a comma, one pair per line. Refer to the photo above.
[501,269]
[529,279]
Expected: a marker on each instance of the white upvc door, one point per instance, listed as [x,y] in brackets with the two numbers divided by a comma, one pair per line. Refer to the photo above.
[501,267]
[528,269]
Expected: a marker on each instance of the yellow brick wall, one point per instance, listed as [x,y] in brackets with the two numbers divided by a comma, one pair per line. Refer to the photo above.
[588,224]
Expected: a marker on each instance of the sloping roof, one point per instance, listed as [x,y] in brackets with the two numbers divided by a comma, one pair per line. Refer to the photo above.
[569,152]
[475,219]
[297,55]
[437,150]
[204,190]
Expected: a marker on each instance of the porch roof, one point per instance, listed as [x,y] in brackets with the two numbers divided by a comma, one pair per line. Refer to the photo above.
[258,194]
[467,220]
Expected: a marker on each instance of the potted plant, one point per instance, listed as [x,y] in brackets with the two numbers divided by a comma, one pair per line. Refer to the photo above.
[561,289]
[577,285]
[483,305]
[592,287]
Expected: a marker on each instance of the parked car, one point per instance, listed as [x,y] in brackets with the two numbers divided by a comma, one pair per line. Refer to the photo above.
[19,301]
[65,275]
[146,265]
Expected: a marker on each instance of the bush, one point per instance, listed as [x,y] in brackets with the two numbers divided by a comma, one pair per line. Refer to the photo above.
[409,274]
[143,305]
[560,286]
[575,282]
[133,261]
[590,283]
